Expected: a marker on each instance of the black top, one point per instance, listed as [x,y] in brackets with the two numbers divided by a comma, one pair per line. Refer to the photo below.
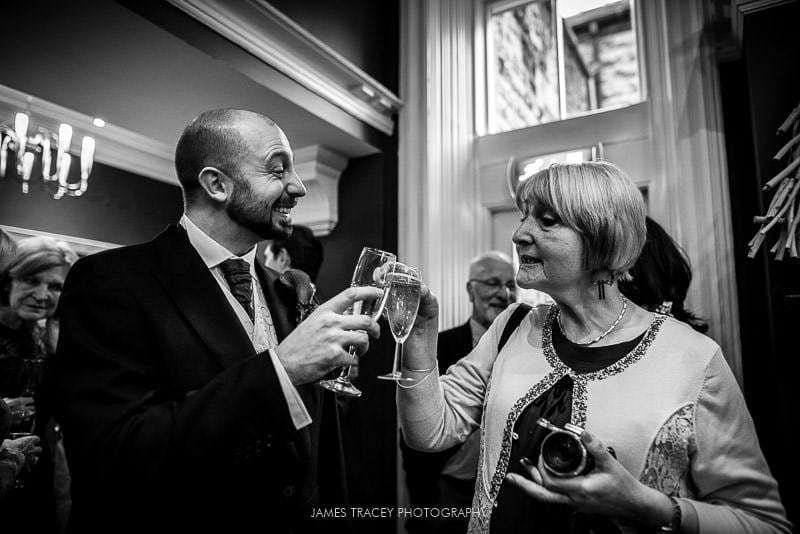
[16,345]
[583,359]
[515,510]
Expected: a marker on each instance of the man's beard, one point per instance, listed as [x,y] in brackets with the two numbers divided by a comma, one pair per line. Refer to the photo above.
[247,212]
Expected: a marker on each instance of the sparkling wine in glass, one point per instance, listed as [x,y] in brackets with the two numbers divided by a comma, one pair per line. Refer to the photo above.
[370,271]
[401,310]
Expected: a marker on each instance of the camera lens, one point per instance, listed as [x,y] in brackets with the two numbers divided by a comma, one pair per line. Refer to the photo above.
[562,453]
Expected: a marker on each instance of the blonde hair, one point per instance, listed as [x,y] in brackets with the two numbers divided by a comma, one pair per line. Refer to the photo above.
[34,255]
[8,249]
[597,200]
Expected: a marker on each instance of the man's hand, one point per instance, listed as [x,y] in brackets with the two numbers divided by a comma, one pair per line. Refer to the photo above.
[321,342]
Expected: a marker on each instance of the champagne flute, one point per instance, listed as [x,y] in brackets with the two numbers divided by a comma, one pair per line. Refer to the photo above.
[369,271]
[30,376]
[401,310]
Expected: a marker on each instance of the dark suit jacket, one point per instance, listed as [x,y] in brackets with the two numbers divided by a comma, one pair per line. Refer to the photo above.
[170,418]
[453,345]
[424,468]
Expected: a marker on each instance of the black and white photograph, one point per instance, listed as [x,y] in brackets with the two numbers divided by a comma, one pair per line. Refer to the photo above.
[399,266]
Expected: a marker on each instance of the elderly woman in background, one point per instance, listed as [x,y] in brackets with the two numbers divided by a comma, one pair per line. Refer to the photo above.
[15,454]
[29,291]
[685,454]
[30,287]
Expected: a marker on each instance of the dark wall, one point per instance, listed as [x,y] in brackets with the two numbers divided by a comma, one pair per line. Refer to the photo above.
[367,217]
[758,92]
[366,32]
[119,207]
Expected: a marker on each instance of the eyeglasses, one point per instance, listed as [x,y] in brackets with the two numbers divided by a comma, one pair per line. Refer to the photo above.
[493,284]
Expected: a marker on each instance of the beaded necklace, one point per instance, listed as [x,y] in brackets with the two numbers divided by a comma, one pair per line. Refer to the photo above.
[601,336]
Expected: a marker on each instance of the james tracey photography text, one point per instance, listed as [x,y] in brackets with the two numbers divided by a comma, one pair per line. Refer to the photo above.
[386,512]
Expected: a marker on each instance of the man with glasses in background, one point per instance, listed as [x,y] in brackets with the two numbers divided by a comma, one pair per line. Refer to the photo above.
[447,479]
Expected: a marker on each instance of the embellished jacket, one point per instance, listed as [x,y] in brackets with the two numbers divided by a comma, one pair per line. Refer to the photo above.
[671,409]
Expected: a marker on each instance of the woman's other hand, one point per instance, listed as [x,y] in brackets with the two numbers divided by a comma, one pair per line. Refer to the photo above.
[28,446]
[609,489]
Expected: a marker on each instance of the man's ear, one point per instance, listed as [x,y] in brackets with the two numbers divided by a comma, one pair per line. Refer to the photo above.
[469,292]
[216,184]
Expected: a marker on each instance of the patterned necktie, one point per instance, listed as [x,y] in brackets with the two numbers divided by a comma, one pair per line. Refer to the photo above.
[237,274]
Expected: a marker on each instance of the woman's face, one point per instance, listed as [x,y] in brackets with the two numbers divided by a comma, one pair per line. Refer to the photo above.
[36,296]
[550,254]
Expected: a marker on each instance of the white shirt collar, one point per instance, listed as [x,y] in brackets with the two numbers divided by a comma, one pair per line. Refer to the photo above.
[211,251]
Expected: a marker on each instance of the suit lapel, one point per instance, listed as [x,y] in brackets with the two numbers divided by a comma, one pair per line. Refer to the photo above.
[199,298]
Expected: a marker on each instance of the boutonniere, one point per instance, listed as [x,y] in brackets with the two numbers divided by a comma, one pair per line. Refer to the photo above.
[304,289]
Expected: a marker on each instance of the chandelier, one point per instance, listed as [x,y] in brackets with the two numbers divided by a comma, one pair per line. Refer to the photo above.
[17,141]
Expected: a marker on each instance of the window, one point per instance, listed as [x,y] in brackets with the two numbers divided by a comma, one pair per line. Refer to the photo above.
[521,169]
[549,60]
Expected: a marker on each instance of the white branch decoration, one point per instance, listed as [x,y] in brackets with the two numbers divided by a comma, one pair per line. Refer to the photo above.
[784,209]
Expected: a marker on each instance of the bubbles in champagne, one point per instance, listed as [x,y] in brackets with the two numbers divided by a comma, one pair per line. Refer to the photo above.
[371,307]
[402,304]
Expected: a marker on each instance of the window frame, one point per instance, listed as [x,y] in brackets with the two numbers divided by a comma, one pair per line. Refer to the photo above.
[484,50]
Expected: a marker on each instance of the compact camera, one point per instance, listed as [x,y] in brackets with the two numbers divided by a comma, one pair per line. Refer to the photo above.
[563,453]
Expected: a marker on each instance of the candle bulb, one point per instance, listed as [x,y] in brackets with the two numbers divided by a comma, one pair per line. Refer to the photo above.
[21,125]
[87,156]
[63,170]
[64,140]
[21,122]
[27,167]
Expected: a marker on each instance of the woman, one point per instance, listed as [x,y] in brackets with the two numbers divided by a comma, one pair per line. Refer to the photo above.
[29,291]
[661,276]
[646,385]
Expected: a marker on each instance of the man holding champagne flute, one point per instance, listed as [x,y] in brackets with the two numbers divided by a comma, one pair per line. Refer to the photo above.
[183,381]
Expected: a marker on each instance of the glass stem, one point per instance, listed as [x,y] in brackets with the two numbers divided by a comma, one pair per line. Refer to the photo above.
[344,376]
[398,359]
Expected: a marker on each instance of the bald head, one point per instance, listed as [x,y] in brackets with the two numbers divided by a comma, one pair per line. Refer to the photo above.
[489,261]
[491,286]
[213,139]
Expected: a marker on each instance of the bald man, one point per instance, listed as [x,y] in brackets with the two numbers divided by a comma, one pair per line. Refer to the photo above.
[447,479]
[183,384]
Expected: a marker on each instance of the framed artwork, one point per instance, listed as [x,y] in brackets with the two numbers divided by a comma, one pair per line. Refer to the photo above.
[82,246]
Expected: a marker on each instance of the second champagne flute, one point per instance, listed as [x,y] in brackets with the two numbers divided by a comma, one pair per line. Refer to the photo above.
[401,310]
[368,272]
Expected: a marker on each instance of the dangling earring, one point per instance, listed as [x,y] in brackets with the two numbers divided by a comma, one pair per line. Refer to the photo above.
[601,284]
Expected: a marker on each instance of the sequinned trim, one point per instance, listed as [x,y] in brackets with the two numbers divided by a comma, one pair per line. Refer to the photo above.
[484,498]
[632,357]
[579,396]
[480,500]
[666,467]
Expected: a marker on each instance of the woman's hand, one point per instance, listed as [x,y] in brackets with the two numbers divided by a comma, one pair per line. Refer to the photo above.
[420,346]
[28,446]
[609,489]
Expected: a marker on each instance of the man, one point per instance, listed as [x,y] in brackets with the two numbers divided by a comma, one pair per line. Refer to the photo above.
[301,250]
[447,479]
[182,383]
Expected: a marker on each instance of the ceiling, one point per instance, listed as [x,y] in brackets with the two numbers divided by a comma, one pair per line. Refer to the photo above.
[103,60]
